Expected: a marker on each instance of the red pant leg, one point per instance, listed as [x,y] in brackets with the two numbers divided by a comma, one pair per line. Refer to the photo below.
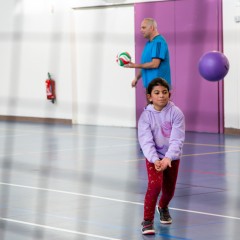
[169,183]
[157,181]
[153,190]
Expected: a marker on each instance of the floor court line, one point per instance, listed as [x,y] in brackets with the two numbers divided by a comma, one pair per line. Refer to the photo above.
[113,199]
[203,213]
[71,134]
[57,229]
[210,153]
[191,155]
[68,149]
[211,145]
[167,236]
[69,193]
[126,138]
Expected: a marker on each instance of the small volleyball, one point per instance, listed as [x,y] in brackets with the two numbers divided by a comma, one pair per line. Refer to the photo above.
[123,58]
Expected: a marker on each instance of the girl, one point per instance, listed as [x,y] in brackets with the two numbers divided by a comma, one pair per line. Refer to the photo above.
[161,133]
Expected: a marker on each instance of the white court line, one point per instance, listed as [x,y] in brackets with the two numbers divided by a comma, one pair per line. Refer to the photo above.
[68,149]
[69,193]
[114,137]
[57,229]
[68,134]
[203,213]
[113,199]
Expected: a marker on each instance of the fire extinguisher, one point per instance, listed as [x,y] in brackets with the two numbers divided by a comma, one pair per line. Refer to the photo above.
[50,89]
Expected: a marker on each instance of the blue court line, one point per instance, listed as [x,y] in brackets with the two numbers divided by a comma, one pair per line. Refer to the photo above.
[172,237]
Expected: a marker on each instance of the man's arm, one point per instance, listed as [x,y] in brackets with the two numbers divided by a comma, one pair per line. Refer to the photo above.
[137,77]
[148,65]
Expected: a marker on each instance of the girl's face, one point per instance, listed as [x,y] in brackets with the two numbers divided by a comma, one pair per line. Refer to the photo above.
[159,97]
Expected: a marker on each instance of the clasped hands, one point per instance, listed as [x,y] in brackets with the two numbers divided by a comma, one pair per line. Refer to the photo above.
[161,165]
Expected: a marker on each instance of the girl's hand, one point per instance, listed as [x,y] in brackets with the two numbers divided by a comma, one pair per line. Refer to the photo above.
[161,165]
[157,165]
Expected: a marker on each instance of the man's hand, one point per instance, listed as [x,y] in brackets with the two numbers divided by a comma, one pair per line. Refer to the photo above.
[130,65]
[134,82]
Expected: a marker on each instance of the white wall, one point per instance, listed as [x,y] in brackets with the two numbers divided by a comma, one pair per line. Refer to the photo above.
[78,49]
[104,93]
[34,41]
[231,38]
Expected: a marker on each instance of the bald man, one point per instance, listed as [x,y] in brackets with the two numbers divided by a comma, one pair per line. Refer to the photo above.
[155,60]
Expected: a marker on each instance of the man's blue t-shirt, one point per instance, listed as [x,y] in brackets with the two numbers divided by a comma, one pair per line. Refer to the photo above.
[157,48]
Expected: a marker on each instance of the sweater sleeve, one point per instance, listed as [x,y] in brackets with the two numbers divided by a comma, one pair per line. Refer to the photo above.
[177,136]
[145,138]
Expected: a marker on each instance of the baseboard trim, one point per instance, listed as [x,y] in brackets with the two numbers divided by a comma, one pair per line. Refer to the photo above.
[233,131]
[36,120]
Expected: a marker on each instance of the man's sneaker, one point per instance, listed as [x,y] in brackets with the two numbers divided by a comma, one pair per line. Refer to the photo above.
[165,217]
[147,228]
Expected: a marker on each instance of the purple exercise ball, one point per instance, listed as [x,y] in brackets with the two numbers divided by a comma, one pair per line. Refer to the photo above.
[213,66]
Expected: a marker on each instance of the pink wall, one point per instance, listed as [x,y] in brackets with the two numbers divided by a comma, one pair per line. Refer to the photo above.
[191,28]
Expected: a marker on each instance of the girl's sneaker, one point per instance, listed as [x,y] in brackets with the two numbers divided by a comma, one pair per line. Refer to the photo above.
[147,228]
[165,217]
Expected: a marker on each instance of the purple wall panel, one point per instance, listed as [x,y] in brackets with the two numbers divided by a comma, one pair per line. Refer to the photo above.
[197,31]
[191,29]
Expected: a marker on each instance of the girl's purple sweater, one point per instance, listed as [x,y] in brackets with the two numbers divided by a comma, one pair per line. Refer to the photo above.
[161,133]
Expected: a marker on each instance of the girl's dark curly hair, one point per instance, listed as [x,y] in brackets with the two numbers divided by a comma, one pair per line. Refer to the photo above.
[157,82]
